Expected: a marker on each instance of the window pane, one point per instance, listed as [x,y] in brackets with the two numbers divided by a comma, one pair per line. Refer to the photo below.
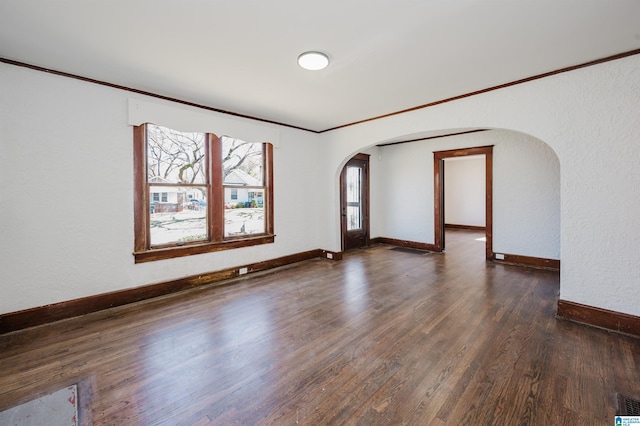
[353,184]
[245,215]
[182,218]
[241,162]
[353,218]
[354,198]
[175,157]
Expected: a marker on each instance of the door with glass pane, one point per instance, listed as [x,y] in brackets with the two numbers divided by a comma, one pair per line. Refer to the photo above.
[354,200]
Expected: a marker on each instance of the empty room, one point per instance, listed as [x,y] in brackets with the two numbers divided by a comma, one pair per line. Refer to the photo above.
[282,213]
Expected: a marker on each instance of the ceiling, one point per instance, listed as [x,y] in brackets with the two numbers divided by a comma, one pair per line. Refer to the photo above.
[386,55]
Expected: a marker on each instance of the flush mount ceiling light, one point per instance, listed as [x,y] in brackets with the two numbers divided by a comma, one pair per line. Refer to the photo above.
[313,61]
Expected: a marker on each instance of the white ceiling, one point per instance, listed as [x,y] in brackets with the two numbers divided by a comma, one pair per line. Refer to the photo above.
[386,56]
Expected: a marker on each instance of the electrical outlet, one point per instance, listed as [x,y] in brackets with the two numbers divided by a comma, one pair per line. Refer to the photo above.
[243,271]
[499,256]
[329,255]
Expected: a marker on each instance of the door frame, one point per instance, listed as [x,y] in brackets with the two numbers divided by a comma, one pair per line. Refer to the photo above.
[365,201]
[438,193]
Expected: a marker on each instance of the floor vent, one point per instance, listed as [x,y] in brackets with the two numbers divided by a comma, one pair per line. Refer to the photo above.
[628,406]
[409,250]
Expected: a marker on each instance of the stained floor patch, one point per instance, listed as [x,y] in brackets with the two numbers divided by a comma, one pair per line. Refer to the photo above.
[59,408]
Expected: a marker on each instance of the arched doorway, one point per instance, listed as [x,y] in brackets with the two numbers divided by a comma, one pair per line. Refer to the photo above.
[354,202]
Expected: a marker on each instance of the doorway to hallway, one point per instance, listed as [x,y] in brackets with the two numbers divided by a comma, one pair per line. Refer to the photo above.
[439,194]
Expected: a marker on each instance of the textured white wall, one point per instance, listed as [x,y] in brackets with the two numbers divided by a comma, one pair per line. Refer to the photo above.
[405,176]
[590,119]
[464,191]
[526,197]
[66,195]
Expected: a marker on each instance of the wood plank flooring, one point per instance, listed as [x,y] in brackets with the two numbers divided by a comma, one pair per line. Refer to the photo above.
[381,338]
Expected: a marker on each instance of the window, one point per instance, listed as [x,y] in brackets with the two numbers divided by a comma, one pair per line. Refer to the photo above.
[195,175]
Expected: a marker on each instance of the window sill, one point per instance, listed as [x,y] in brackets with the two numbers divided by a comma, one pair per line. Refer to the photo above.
[188,250]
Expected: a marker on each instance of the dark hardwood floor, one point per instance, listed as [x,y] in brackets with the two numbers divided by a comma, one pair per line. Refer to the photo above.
[384,337]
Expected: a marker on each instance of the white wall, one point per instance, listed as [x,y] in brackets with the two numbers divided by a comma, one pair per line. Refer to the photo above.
[464,191]
[526,197]
[73,136]
[589,117]
[526,191]
[66,194]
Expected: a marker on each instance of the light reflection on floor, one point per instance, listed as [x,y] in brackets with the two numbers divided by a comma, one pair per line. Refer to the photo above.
[355,289]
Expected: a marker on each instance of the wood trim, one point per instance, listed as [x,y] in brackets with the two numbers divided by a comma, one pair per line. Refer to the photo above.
[235,114]
[332,255]
[435,137]
[492,88]
[216,189]
[438,193]
[438,203]
[268,177]
[468,227]
[192,249]
[19,320]
[598,317]
[140,199]
[464,152]
[488,185]
[532,262]
[404,243]
[145,93]
[283,261]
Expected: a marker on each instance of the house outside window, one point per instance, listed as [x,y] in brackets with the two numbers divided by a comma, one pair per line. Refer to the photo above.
[193,174]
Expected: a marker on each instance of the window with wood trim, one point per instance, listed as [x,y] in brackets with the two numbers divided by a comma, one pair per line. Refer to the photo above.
[184,184]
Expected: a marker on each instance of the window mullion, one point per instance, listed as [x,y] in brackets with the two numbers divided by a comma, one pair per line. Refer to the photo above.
[216,206]
[267,181]
[141,199]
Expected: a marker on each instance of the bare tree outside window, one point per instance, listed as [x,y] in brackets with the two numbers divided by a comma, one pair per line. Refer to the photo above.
[244,187]
[237,154]
[176,157]
[176,167]
[184,183]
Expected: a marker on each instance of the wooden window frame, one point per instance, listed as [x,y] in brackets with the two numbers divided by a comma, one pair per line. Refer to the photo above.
[143,252]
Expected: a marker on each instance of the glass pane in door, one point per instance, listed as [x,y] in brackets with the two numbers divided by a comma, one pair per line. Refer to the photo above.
[354,198]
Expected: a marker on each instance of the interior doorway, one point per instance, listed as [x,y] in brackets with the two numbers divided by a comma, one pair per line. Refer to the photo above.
[354,202]
[439,194]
